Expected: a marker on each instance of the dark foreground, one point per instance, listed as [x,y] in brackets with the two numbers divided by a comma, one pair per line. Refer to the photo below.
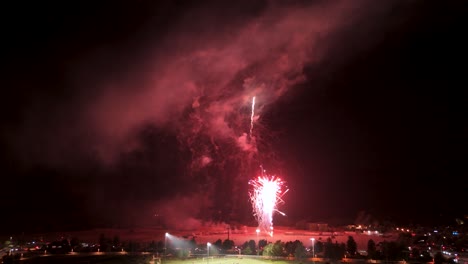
[85,259]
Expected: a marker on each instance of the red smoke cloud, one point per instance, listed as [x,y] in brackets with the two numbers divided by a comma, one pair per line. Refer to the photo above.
[214,74]
[198,80]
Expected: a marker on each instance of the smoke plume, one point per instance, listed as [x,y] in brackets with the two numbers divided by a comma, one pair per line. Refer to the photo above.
[196,81]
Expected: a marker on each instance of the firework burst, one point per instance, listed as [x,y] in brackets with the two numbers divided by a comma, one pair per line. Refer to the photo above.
[265,196]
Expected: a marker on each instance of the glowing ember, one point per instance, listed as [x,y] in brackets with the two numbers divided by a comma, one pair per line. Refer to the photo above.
[265,196]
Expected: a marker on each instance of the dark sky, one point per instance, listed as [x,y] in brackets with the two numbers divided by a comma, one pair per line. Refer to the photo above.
[114,112]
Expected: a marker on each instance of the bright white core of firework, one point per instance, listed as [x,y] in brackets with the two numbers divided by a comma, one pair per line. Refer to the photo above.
[265,196]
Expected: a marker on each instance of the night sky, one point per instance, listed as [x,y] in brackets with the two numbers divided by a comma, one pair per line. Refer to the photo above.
[124,113]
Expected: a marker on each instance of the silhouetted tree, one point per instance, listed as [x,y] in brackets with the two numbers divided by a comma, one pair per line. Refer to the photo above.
[318,247]
[340,250]
[159,246]
[133,246]
[228,244]
[334,251]
[351,246]
[218,243]
[66,245]
[371,249]
[278,248]
[193,243]
[268,250]
[262,243]
[300,252]
[273,249]
[252,245]
[246,249]
[103,243]
[290,247]
[74,242]
[152,246]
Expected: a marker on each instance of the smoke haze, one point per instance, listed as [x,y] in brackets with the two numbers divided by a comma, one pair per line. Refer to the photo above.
[168,106]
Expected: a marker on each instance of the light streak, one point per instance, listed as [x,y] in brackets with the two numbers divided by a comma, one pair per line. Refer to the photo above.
[252,115]
[265,196]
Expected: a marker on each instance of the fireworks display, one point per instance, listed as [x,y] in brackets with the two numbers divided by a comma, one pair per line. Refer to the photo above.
[195,109]
[206,94]
[265,196]
[267,192]
[172,109]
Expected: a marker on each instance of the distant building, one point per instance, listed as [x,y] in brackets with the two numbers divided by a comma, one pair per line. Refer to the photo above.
[59,247]
[322,227]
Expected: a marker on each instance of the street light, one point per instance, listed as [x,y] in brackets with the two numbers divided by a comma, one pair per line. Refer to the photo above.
[313,249]
[258,246]
[165,244]
[208,249]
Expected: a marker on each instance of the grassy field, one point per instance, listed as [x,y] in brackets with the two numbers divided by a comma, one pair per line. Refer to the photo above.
[149,259]
[232,260]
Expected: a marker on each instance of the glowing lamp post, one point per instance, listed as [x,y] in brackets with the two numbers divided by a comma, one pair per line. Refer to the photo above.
[165,244]
[313,249]
[208,251]
[258,246]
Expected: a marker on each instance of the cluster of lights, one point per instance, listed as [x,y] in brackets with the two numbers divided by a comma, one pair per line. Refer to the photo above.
[402,229]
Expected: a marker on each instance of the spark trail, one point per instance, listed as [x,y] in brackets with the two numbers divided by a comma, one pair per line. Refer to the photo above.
[252,116]
[265,196]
